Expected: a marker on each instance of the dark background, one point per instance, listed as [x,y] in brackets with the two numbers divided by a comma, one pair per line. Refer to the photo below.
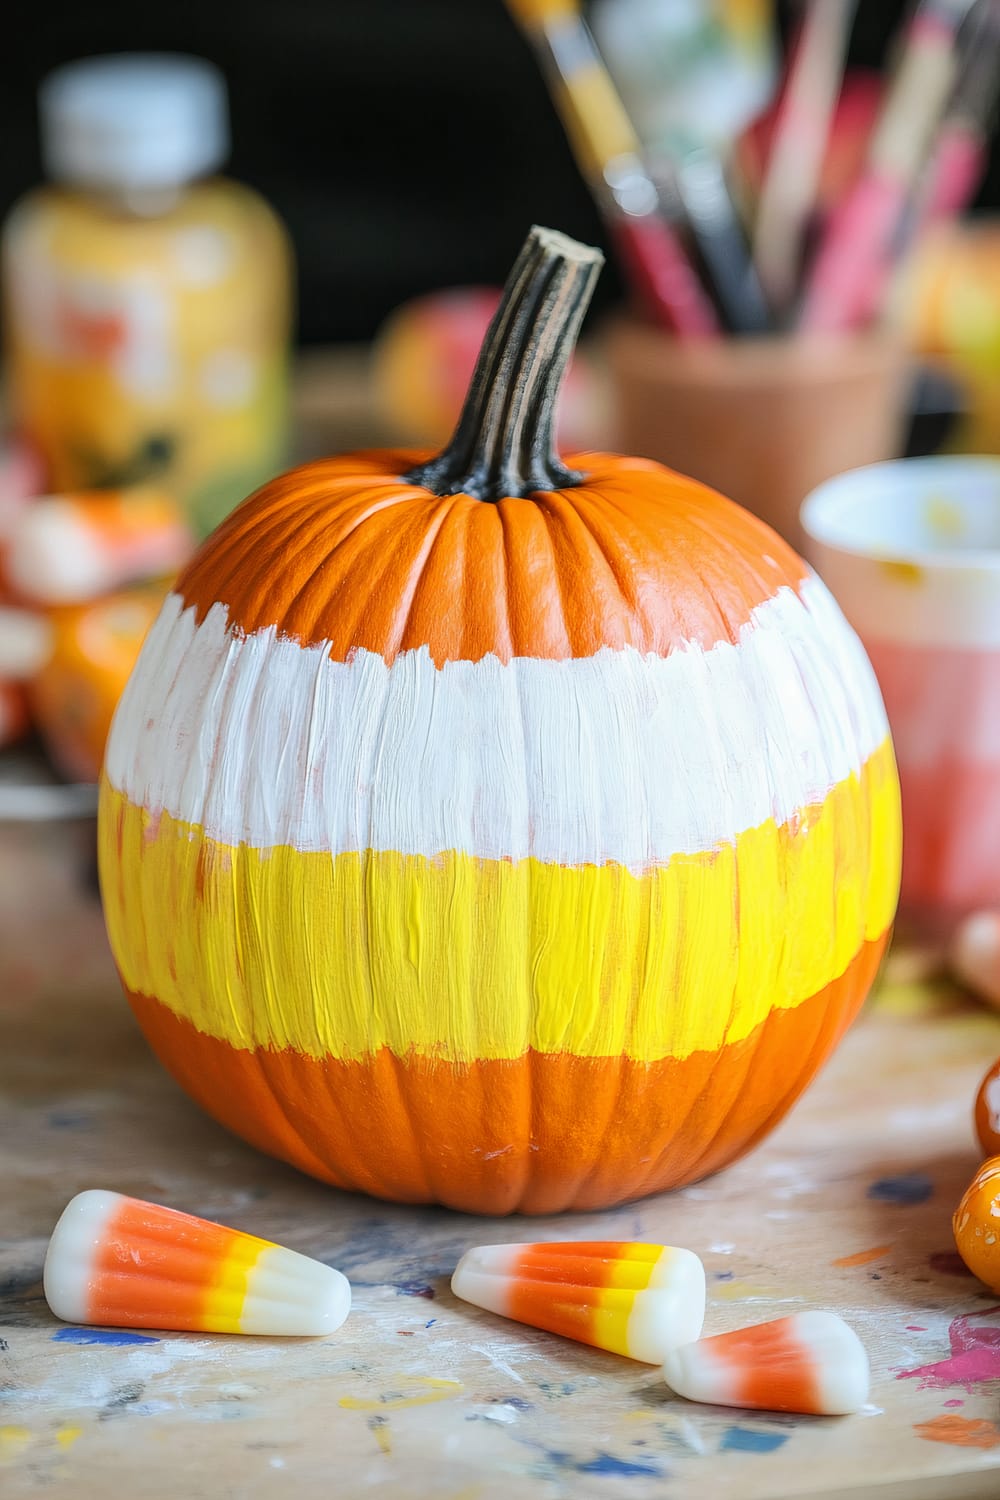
[406,143]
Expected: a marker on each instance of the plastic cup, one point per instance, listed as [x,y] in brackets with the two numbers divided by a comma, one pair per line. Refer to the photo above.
[911,550]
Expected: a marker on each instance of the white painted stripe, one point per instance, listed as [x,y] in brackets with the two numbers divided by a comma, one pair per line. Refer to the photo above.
[615,757]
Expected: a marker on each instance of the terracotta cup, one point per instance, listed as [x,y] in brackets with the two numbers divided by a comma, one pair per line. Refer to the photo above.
[911,550]
[762,420]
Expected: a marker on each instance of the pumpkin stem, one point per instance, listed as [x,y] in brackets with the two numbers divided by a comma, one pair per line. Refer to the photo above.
[504,444]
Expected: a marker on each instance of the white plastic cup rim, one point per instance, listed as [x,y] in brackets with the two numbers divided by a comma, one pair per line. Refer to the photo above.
[940,512]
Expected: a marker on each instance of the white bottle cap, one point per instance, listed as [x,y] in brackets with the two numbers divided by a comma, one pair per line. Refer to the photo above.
[134,122]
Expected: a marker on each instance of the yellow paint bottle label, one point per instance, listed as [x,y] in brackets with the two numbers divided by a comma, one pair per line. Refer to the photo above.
[151,349]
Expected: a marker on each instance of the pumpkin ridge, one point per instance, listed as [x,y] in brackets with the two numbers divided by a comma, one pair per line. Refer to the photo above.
[484,830]
[161,861]
[562,1132]
[672,698]
[268,532]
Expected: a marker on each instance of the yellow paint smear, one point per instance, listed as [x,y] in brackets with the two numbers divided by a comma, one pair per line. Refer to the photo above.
[67,1436]
[464,958]
[13,1441]
[744,1291]
[944,518]
[380,1430]
[435,1389]
[903,572]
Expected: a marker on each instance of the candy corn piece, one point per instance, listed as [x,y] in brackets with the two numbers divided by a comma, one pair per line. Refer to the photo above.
[64,549]
[633,1299]
[120,1262]
[810,1362]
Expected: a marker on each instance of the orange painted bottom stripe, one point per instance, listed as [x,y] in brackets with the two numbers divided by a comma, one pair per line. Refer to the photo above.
[536,1134]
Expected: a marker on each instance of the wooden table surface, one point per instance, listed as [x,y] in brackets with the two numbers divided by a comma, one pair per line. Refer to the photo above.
[848,1206]
[418,1396]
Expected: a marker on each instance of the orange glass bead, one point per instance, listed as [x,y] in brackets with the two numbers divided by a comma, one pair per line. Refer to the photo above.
[977,1224]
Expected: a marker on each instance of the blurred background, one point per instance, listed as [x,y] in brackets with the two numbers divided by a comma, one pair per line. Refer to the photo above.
[235,236]
[405,145]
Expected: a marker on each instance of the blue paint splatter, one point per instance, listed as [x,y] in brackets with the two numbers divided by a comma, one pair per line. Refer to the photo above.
[906,1189]
[724,1275]
[414,1289]
[605,1463]
[747,1440]
[115,1337]
[430,1322]
[517,1402]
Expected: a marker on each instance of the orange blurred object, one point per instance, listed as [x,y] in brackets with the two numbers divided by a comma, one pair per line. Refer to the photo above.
[977,1224]
[74,695]
[423,358]
[13,713]
[21,478]
[948,306]
[988,1111]
[65,549]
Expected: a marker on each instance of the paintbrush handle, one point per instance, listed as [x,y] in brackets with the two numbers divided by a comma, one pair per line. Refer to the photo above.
[663,277]
[720,241]
[800,138]
[855,258]
[608,152]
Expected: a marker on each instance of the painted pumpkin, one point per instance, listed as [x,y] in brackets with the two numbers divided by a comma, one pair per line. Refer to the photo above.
[496,831]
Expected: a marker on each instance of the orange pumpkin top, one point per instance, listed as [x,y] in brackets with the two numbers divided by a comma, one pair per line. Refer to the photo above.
[607,551]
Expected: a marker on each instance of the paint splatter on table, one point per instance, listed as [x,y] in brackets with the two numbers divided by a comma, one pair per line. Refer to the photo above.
[847,1206]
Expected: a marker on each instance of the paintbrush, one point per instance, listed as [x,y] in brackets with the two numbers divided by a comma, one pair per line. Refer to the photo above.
[854,259]
[798,146]
[698,180]
[609,155]
[958,161]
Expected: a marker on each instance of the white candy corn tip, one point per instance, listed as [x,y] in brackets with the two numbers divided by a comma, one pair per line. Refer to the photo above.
[75,1241]
[116,1261]
[671,1311]
[810,1362]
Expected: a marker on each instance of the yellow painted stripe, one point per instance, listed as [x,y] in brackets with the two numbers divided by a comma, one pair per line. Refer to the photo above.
[464,958]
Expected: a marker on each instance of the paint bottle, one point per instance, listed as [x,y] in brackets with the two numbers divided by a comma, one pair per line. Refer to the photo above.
[147,302]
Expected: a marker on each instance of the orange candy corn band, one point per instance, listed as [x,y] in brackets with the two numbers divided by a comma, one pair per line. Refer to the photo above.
[722,1102]
[629,1298]
[809,1362]
[120,1262]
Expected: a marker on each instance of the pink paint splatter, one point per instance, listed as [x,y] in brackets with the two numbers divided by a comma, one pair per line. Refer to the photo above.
[915,1328]
[954,1402]
[975,1355]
